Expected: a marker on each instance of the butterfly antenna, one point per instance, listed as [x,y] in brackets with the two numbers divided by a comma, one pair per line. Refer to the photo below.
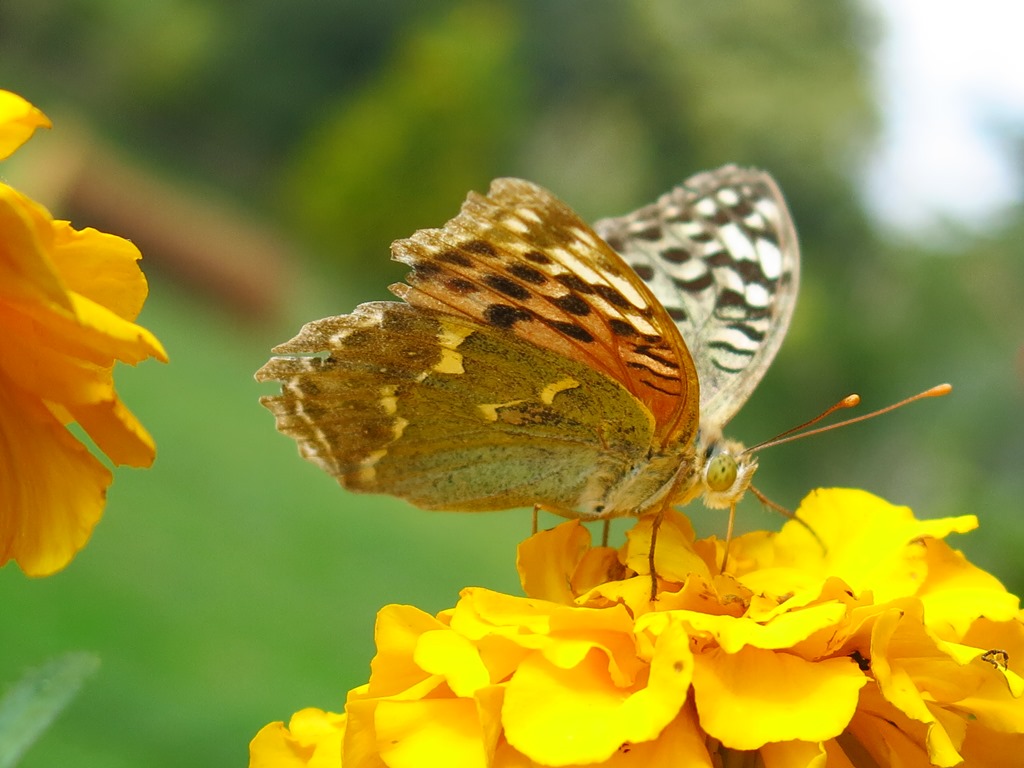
[797,432]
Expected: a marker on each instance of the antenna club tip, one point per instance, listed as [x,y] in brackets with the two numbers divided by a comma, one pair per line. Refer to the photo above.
[939,390]
[850,401]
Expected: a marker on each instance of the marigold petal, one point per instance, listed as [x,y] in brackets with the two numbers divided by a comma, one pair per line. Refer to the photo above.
[55,488]
[881,733]
[271,747]
[633,593]
[560,716]
[752,697]
[797,754]
[397,633]
[18,121]
[871,554]
[681,744]
[956,593]
[733,633]
[100,267]
[411,734]
[992,749]
[360,746]
[547,561]
[531,622]
[116,432]
[895,641]
[449,655]
[312,739]
[26,276]
[674,556]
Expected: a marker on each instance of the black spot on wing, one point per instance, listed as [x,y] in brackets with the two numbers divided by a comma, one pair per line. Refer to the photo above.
[510,288]
[505,316]
[696,284]
[676,254]
[572,330]
[479,247]
[572,304]
[454,257]
[612,296]
[643,271]
[621,327]
[537,257]
[575,283]
[461,286]
[750,332]
[528,274]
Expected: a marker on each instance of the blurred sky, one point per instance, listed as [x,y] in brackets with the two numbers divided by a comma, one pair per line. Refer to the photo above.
[950,79]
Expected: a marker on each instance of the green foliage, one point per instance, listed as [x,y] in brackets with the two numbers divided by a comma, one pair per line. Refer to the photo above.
[401,152]
[30,706]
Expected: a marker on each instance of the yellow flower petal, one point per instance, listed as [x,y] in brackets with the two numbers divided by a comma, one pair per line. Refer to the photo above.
[675,557]
[312,739]
[869,542]
[60,488]
[406,731]
[896,639]
[101,268]
[26,276]
[397,634]
[450,655]
[116,432]
[18,121]
[955,593]
[798,754]
[753,697]
[562,716]
[732,633]
[547,561]
[992,749]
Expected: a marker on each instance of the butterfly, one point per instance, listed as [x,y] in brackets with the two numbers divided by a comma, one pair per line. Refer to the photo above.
[536,361]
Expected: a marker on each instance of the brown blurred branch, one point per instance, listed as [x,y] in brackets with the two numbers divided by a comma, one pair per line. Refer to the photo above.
[195,236]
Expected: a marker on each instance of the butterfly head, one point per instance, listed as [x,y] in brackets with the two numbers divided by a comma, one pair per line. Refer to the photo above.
[726,471]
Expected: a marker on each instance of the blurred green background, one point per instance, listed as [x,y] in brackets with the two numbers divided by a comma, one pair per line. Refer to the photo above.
[263,155]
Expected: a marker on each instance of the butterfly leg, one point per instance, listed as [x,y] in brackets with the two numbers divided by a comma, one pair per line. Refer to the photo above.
[604,532]
[787,514]
[728,536]
[655,525]
[534,525]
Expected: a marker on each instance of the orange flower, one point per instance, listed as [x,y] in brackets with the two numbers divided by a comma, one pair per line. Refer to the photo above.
[879,645]
[67,301]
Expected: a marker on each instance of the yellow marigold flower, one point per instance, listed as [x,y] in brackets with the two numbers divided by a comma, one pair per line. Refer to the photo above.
[877,645]
[67,301]
[18,121]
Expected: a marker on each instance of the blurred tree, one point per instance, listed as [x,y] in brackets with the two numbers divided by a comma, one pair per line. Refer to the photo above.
[400,153]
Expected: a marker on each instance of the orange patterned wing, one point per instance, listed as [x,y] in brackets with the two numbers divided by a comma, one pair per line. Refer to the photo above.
[521,260]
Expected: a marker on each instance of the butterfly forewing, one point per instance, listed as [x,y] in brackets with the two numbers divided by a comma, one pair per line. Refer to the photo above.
[521,261]
[720,254]
[452,414]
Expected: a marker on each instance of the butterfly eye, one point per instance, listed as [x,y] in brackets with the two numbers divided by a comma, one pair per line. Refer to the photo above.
[721,472]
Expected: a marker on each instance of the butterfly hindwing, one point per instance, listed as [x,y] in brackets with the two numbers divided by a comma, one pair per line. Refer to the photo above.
[720,253]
